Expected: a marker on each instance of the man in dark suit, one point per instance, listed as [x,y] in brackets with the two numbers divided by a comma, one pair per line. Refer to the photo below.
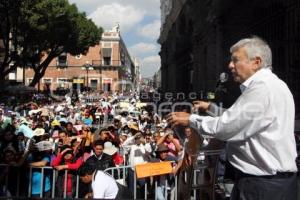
[100,160]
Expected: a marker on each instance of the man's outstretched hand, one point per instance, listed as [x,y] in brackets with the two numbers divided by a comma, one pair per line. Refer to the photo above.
[178,118]
[200,106]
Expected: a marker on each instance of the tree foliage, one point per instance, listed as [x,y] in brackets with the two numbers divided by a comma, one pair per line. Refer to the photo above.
[32,29]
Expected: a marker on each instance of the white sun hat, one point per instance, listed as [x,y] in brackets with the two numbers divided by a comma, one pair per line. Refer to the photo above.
[109,148]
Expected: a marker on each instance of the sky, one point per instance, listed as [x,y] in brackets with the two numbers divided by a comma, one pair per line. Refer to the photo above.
[139,25]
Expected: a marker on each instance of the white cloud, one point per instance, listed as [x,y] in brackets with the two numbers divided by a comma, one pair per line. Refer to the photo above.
[142,48]
[106,16]
[132,16]
[149,65]
[150,7]
[151,30]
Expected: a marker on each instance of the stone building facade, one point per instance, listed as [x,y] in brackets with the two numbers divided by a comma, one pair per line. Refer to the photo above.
[196,37]
[106,67]
[2,50]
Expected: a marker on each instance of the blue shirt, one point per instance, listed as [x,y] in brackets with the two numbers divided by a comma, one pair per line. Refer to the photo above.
[87,121]
[36,179]
[26,130]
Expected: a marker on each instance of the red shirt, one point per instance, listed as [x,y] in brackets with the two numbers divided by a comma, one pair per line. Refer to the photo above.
[71,166]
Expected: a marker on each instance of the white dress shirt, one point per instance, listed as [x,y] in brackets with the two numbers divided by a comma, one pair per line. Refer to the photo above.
[259,126]
[104,186]
[139,154]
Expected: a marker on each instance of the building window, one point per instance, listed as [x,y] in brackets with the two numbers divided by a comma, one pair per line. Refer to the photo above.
[106,60]
[94,84]
[61,82]
[29,80]
[12,75]
[47,80]
[122,58]
[62,60]
[106,44]
[106,84]
[106,54]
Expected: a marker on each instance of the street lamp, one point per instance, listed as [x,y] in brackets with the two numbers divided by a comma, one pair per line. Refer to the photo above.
[87,67]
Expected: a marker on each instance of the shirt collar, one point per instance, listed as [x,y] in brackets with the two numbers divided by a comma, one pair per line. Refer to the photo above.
[99,157]
[252,78]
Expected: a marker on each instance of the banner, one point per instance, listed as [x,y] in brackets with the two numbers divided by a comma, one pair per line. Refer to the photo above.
[78,80]
[153,169]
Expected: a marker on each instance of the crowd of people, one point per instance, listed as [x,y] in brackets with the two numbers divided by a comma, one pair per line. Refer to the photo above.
[94,131]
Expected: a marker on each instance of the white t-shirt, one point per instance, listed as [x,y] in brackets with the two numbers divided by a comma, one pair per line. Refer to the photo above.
[104,186]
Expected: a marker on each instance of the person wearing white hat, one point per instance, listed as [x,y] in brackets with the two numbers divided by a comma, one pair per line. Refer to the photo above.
[44,145]
[111,150]
[38,132]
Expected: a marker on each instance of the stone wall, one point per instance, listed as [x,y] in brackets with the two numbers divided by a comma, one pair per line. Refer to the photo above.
[195,49]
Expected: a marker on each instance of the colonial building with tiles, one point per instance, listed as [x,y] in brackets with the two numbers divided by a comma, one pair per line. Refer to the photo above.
[106,67]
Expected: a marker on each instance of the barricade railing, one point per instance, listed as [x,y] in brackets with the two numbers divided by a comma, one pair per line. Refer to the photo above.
[116,173]
[210,163]
[119,173]
[40,170]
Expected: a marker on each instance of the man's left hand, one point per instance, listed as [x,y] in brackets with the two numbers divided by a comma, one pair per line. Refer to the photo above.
[178,118]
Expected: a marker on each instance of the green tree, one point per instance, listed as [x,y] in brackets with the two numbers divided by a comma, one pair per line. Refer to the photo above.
[46,28]
[9,10]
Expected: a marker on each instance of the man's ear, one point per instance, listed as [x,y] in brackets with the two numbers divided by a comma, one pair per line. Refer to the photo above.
[257,63]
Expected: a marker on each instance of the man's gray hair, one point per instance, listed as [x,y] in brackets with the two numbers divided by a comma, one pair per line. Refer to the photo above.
[255,47]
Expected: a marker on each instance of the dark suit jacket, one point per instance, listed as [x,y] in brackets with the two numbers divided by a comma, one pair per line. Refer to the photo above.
[105,162]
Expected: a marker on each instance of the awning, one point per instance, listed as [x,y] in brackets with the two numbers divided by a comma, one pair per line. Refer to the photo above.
[78,80]
[106,52]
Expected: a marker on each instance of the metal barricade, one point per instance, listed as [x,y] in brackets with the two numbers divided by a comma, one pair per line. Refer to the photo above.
[151,186]
[116,173]
[29,182]
[53,184]
[205,173]
[7,182]
[4,179]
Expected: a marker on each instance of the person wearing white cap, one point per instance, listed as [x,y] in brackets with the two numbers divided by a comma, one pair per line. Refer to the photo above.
[111,150]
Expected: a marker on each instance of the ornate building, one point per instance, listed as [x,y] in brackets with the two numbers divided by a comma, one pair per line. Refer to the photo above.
[107,66]
[196,37]
[2,49]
